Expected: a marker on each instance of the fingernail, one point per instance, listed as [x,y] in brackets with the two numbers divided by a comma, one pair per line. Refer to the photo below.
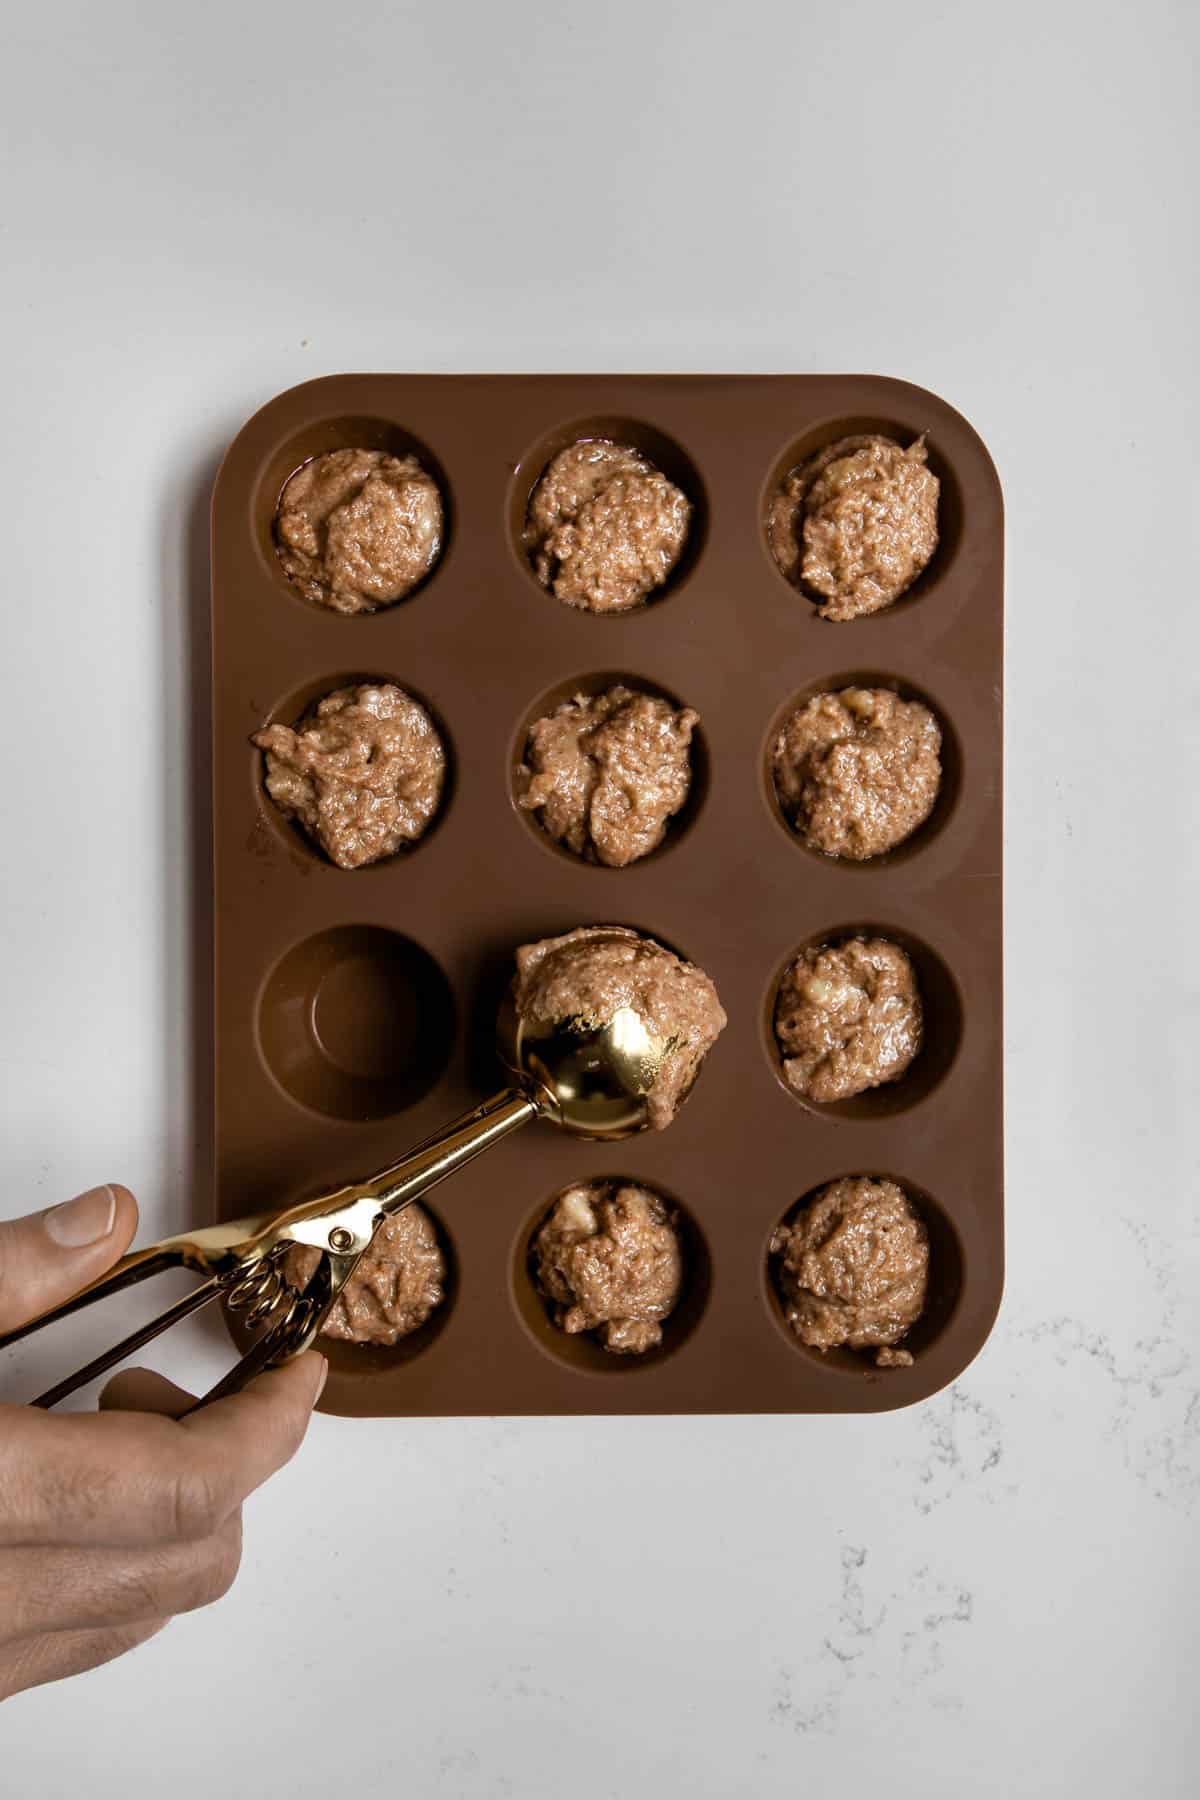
[84,1220]
[324,1377]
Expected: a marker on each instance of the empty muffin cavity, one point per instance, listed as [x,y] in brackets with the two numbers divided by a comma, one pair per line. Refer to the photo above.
[356,1022]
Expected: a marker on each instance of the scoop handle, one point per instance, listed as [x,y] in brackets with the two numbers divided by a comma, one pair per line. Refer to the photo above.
[448,1150]
[138,1265]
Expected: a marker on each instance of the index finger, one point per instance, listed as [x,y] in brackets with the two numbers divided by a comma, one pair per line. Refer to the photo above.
[264,1425]
[120,1478]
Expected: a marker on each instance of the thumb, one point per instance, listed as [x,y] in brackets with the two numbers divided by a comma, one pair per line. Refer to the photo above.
[46,1257]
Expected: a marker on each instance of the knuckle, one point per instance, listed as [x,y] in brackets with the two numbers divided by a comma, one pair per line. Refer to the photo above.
[137,1593]
[217,1573]
[109,1642]
[198,1503]
[225,1565]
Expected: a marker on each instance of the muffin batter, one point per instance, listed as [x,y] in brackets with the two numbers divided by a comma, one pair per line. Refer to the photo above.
[857,772]
[847,1018]
[591,974]
[358,529]
[609,1260]
[853,1268]
[605,527]
[607,771]
[856,523]
[398,1281]
[362,773]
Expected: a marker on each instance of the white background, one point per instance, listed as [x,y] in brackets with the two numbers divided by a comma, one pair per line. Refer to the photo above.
[996,1593]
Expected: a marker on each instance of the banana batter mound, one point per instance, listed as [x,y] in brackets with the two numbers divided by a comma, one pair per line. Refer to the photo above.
[607,772]
[847,1018]
[356,530]
[362,772]
[609,1261]
[853,1269]
[605,527]
[857,772]
[590,974]
[399,1281]
[856,524]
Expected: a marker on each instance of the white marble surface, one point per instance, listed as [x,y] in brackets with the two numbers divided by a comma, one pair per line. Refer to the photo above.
[996,1593]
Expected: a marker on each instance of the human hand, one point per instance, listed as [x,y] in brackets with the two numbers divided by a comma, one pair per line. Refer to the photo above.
[112,1522]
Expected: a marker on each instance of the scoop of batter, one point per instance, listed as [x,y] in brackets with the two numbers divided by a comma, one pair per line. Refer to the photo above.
[591,974]
[362,772]
[609,1260]
[358,529]
[847,1018]
[607,772]
[604,527]
[856,523]
[853,1268]
[857,772]
[398,1281]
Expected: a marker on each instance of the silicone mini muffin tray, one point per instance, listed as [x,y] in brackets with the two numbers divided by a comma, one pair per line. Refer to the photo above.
[355,1010]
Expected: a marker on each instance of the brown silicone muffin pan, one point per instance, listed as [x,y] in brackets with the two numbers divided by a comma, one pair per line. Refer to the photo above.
[355,1010]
